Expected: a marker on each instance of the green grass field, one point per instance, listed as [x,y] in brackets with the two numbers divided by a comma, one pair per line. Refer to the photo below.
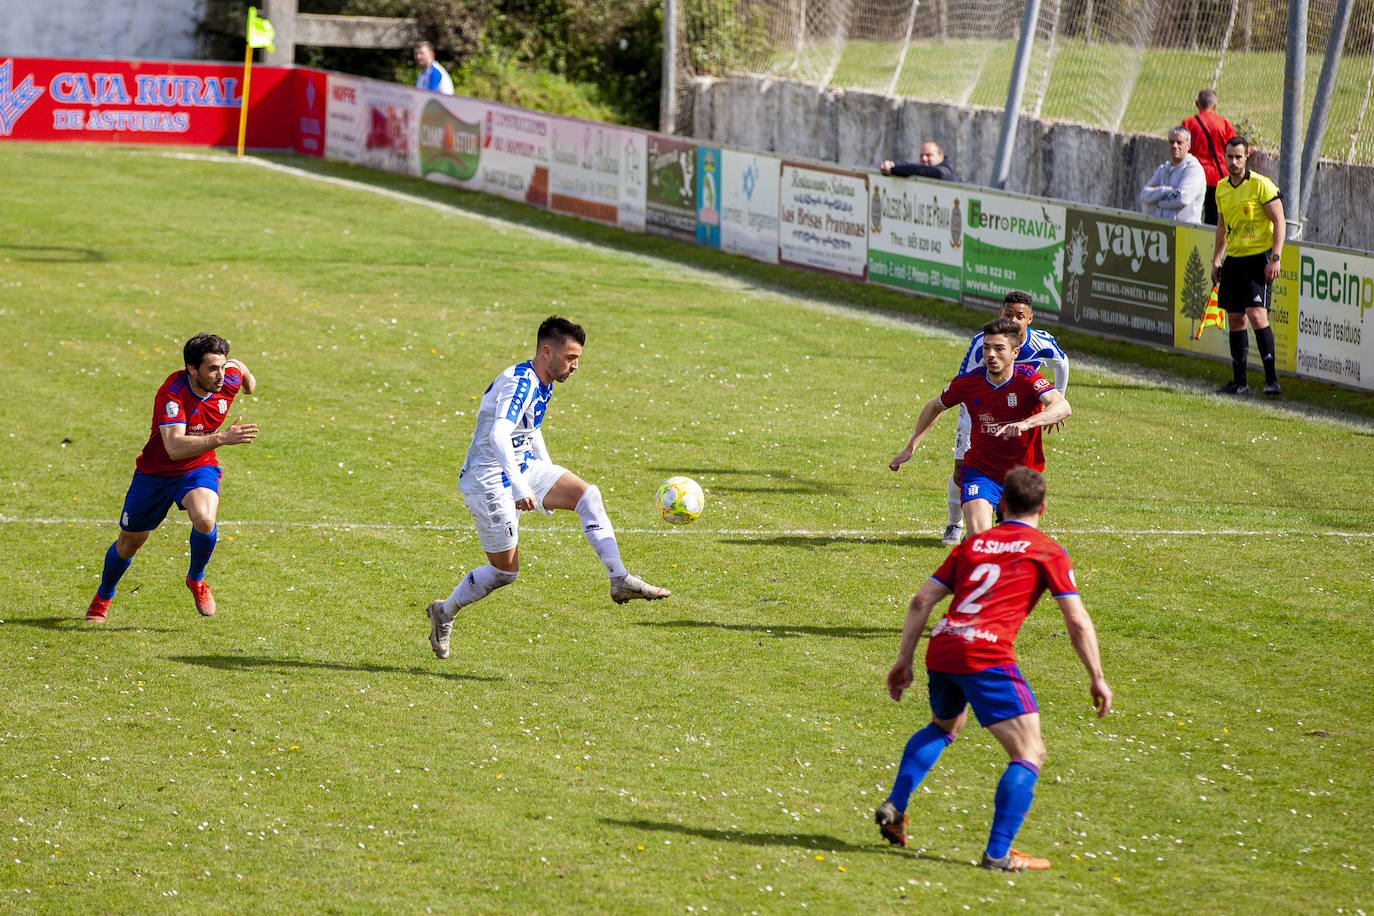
[1086,85]
[718,752]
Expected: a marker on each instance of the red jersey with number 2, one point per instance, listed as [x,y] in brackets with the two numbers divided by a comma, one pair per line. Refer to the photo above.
[997,577]
[990,406]
[177,402]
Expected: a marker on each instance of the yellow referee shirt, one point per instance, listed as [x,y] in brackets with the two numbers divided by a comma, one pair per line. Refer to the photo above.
[1248,227]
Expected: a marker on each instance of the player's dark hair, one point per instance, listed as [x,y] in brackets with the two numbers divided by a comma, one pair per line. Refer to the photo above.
[1003,326]
[560,329]
[1238,141]
[1020,296]
[201,344]
[1023,491]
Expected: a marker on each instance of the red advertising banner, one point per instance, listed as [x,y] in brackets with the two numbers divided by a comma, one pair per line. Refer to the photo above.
[161,102]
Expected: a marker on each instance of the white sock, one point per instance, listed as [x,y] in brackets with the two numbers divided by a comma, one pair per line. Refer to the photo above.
[477,585]
[956,509]
[596,525]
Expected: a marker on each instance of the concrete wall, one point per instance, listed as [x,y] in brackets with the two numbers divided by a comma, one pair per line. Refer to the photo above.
[155,29]
[1063,161]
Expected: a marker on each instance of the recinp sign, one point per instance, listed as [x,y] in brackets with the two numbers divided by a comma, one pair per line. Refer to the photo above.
[1335,335]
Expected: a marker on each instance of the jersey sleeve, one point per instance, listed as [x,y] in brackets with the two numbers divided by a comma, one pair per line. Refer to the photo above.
[1039,383]
[1059,570]
[945,573]
[168,410]
[973,356]
[1054,356]
[953,393]
[513,394]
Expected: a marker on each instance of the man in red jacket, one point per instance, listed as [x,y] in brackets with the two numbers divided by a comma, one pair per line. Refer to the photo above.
[1210,132]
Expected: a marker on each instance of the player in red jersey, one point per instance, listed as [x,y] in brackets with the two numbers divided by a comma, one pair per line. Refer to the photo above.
[178,465]
[1008,403]
[996,578]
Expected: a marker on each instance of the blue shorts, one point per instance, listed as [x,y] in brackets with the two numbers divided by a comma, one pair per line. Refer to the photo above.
[995,694]
[977,485]
[150,496]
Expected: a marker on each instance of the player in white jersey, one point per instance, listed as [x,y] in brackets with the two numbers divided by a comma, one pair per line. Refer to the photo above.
[508,471]
[1037,349]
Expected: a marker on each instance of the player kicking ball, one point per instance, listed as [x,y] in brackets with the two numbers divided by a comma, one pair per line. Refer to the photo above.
[178,465]
[996,579]
[1008,404]
[508,471]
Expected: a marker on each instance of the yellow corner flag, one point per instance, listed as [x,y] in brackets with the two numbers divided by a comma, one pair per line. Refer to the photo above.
[1214,317]
[260,31]
[260,35]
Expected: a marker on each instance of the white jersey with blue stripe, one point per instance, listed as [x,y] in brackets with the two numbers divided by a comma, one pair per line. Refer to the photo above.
[507,437]
[1039,350]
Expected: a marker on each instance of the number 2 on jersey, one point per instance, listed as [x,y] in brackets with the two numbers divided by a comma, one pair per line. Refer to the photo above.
[988,573]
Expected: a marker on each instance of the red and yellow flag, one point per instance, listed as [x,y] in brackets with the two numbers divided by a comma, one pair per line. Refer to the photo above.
[1214,316]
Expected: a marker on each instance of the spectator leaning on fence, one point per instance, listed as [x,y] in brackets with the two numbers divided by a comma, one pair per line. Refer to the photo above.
[432,76]
[1210,133]
[1176,189]
[932,164]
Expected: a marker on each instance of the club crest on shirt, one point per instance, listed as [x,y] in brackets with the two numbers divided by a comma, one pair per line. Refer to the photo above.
[223,405]
[1011,399]
[171,409]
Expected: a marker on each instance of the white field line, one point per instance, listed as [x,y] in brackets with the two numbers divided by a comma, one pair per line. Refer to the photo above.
[732,532]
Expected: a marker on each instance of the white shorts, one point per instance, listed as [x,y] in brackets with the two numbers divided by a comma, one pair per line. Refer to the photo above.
[494,512]
[962,433]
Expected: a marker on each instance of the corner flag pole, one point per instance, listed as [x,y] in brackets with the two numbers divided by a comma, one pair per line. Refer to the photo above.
[260,35]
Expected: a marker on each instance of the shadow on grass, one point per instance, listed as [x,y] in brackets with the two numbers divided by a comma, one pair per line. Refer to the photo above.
[778,631]
[813,541]
[64,254]
[810,841]
[258,662]
[78,625]
[772,481]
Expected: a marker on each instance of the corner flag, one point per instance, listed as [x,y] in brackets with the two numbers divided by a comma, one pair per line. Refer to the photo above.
[260,35]
[260,31]
[1213,317]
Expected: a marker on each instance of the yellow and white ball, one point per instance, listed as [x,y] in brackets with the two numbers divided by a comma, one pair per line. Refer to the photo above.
[680,500]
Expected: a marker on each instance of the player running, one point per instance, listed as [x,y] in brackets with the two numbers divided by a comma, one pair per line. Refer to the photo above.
[1011,403]
[178,465]
[508,471]
[1036,349]
[996,578]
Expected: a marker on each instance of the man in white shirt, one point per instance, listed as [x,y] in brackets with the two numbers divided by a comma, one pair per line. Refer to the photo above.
[507,471]
[1176,189]
[433,76]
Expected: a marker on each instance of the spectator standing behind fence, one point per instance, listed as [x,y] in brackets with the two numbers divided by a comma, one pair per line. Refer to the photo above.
[1250,237]
[1176,189]
[433,76]
[932,164]
[1210,133]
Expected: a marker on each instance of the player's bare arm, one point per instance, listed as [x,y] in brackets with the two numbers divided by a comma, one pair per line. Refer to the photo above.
[250,382]
[1084,638]
[917,615]
[181,446]
[1218,248]
[929,413]
[1274,210]
[1056,410]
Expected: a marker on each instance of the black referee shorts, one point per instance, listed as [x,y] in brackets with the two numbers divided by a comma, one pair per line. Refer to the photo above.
[1241,284]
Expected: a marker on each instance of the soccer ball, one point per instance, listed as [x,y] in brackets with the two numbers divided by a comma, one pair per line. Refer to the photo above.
[680,500]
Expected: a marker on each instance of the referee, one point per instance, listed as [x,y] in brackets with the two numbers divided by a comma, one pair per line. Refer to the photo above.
[1245,261]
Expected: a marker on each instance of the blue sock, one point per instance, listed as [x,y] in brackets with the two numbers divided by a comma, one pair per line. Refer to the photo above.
[115,567]
[1015,792]
[202,545]
[920,755]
